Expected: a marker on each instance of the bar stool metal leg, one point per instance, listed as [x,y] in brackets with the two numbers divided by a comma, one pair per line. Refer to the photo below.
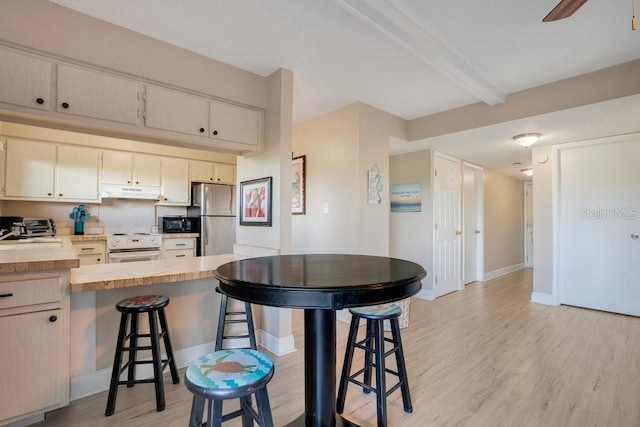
[175,378]
[402,368]
[115,372]
[348,361]
[381,384]
[133,343]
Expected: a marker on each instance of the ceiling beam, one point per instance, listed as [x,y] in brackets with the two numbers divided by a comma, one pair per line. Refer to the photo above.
[405,32]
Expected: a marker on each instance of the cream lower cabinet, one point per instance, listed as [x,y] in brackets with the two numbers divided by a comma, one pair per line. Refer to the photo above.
[34,355]
[178,248]
[91,253]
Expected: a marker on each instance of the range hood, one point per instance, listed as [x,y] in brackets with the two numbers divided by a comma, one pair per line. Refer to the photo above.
[129,192]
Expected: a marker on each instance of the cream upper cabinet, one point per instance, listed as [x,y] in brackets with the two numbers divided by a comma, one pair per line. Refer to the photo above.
[25,81]
[224,173]
[77,172]
[34,171]
[217,173]
[147,170]
[96,95]
[117,167]
[175,111]
[30,169]
[202,171]
[175,182]
[235,124]
[124,168]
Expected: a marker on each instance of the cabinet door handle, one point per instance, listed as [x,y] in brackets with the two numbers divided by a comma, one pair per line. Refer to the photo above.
[6,295]
[181,244]
[215,132]
[201,130]
[53,318]
[60,195]
[87,249]
[180,256]
[40,101]
[65,105]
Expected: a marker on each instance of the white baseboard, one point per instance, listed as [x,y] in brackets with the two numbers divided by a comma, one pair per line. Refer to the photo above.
[276,345]
[502,271]
[98,381]
[426,295]
[542,298]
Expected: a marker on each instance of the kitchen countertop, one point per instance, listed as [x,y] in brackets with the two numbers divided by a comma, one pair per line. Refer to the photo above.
[38,259]
[103,237]
[141,273]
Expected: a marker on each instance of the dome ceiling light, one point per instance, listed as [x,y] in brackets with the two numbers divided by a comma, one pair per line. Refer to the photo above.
[527,139]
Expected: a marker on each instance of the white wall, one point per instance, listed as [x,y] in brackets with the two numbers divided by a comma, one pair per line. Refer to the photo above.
[411,233]
[542,225]
[330,144]
[340,147]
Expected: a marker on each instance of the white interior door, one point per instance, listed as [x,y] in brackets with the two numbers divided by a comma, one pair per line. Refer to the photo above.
[472,212]
[599,225]
[528,224]
[447,205]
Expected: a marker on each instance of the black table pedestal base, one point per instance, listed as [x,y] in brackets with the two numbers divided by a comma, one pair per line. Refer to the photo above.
[320,356]
[340,422]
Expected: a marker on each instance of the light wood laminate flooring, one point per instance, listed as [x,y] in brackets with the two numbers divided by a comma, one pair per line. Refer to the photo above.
[485,356]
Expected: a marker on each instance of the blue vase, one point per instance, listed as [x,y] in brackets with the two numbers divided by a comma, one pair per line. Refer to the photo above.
[79,227]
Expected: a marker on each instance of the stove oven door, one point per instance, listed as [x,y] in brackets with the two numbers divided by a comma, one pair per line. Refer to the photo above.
[131,256]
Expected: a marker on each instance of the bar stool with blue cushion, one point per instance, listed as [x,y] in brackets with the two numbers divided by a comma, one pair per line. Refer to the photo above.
[230,374]
[130,308]
[374,346]
[228,318]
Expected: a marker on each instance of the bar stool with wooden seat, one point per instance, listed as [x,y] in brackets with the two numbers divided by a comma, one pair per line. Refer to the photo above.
[230,374]
[374,346]
[130,308]
[229,318]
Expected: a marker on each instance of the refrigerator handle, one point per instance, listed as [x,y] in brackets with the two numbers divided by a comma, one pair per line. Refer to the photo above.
[204,235]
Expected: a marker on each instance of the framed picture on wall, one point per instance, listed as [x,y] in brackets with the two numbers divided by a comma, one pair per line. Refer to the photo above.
[298,185]
[255,202]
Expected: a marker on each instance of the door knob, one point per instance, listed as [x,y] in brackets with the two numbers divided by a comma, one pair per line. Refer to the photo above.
[458,232]
[634,236]
[477,231]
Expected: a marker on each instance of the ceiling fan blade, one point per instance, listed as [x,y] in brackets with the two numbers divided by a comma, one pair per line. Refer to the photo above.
[564,9]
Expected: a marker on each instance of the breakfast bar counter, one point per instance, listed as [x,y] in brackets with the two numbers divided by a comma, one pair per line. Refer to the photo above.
[30,255]
[141,273]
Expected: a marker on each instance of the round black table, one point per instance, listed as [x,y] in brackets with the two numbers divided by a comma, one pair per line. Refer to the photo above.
[320,284]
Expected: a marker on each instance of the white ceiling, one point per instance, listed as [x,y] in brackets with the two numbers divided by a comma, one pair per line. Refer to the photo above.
[410,58]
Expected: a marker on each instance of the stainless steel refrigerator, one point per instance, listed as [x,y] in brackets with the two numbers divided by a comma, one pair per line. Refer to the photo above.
[215,204]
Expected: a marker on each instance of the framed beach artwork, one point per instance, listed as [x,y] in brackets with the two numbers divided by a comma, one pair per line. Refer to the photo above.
[406,198]
[298,185]
[255,202]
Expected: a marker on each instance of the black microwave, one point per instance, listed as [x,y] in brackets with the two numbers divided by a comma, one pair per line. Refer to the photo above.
[179,224]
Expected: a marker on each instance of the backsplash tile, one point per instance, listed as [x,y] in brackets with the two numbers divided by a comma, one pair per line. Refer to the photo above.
[113,215]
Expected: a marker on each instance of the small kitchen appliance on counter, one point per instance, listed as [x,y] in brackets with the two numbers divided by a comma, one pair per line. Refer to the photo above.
[179,224]
[22,228]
